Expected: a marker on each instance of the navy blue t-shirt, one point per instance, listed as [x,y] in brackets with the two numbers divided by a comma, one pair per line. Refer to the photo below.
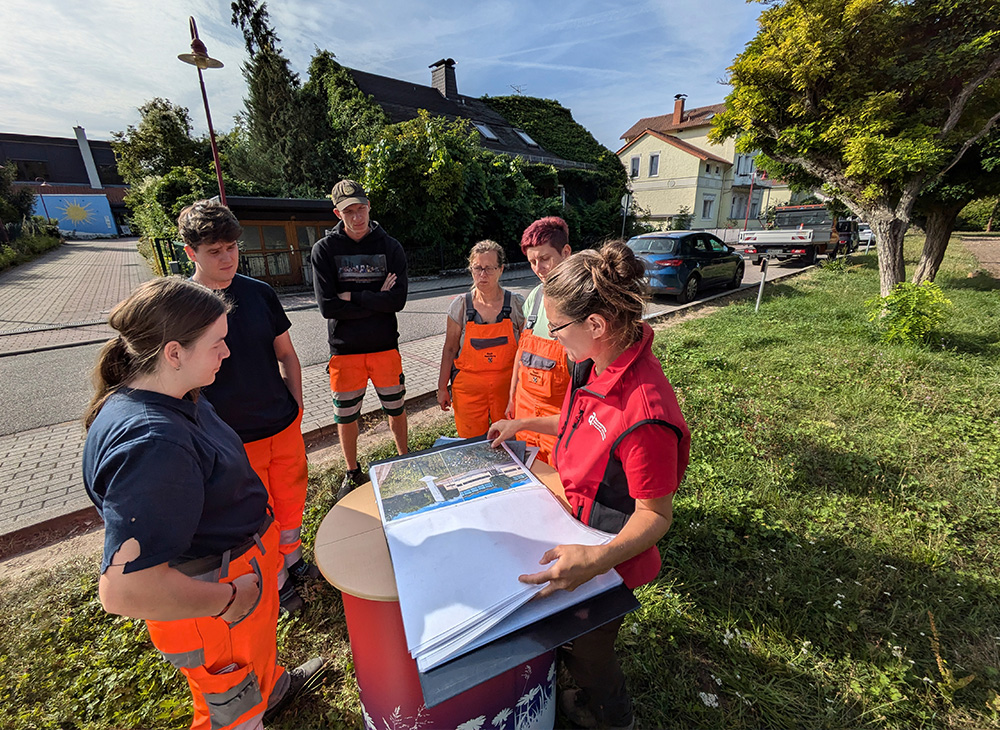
[172,475]
[248,392]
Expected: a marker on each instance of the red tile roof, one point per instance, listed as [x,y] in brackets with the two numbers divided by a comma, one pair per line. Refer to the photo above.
[697,117]
[114,194]
[679,144]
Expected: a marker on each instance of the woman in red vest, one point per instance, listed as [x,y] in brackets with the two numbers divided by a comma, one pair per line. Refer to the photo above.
[621,450]
[480,344]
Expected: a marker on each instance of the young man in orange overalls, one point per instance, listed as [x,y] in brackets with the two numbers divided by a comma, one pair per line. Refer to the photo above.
[541,370]
[258,389]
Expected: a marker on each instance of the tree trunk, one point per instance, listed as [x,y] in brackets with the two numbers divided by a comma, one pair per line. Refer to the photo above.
[889,232]
[940,224]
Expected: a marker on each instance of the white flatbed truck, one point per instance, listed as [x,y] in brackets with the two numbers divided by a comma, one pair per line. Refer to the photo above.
[800,231]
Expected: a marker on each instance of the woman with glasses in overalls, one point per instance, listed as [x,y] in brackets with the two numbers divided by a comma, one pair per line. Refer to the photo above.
[480,345]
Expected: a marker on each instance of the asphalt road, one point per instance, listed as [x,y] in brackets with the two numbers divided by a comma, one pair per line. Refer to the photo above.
[45,388]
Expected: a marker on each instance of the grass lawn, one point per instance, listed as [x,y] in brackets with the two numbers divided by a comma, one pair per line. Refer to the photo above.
[832,564]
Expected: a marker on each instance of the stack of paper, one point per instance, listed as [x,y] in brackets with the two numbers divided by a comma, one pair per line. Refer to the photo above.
[462,523]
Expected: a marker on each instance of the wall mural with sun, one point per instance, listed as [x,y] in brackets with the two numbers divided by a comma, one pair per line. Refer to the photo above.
[87,214]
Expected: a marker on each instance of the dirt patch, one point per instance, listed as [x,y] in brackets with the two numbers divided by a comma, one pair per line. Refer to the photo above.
[986,249]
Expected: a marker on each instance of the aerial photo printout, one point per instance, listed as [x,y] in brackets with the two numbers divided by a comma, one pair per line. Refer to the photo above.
[435,479]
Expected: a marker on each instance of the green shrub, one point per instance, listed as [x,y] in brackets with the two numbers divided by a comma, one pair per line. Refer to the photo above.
[26,247]
[909,313]
[836,266]
[977,215]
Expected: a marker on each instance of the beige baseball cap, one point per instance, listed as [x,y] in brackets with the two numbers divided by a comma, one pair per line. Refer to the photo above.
[348,192]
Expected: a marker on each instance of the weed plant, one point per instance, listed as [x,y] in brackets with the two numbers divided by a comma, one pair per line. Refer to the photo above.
[833,561]
[909,314]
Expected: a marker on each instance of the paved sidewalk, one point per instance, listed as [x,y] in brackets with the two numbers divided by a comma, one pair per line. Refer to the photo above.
[40,469]
[65,296]
[43,305]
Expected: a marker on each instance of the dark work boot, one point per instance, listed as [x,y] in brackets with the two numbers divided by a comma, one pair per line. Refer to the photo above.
[298,679]
[353,479]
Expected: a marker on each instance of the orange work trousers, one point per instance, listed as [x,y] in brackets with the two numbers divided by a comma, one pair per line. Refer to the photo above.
[232,669]
[543,377]
[280,462]
[481,387]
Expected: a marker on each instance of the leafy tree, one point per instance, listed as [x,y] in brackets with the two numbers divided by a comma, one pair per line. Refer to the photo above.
[979,215]
[939,205]
[876,98]
[681,220]
[354,118]
[253,20]
[162,140]
[156,201]
[432,184]
[283,142]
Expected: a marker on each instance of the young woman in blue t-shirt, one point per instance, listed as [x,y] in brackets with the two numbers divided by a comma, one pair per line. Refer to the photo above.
[190,545]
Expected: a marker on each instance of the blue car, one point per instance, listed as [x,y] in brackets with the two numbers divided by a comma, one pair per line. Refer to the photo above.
[683,263]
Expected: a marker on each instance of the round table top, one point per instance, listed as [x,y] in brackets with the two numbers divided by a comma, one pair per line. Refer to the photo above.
[351,550]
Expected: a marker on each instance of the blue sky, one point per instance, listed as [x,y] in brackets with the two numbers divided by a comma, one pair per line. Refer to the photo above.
[92,64]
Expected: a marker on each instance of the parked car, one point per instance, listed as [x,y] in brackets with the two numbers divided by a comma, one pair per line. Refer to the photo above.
[683,263]
[848,231]
[865,234]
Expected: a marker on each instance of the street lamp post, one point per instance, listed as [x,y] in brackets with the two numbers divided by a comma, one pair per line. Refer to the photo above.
[200,59]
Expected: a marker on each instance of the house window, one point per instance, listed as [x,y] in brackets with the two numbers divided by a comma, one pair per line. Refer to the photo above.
[527,140]
[634,171]
[31,170]
[716,169]
[109,174]
[708,169]
[707,203]
[738,207]
[486,131]
[654,164]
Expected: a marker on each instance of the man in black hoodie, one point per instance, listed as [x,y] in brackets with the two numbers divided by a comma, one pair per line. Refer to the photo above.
[359,276]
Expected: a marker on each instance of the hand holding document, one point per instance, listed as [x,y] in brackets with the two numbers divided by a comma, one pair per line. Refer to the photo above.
[463,524]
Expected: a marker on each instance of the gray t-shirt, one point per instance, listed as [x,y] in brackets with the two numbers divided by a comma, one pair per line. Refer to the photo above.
[456,312]
[541,328]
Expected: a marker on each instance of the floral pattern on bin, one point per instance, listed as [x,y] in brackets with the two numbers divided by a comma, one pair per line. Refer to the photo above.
[535,709]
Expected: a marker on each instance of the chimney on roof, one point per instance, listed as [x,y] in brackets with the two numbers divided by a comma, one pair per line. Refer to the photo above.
[443,77]
[679,108]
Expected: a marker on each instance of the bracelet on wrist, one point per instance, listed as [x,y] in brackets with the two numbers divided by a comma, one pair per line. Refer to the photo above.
[229,604]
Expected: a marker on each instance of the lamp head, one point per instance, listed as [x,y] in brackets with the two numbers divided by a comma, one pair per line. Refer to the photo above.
[199,53]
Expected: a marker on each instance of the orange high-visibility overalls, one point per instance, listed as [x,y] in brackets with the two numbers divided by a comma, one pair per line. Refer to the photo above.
[480,382]
[543,378]
[232,669]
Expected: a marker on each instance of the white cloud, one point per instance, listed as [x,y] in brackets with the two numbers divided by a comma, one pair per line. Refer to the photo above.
[94,63]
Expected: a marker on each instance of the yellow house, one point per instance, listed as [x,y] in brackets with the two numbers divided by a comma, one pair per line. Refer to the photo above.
[673,166]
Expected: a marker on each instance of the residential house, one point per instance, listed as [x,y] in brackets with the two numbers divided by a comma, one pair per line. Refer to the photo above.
[673,166]
[401,100]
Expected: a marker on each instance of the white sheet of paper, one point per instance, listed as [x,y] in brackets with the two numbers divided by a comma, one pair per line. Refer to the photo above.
[462,524]
[456,564]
